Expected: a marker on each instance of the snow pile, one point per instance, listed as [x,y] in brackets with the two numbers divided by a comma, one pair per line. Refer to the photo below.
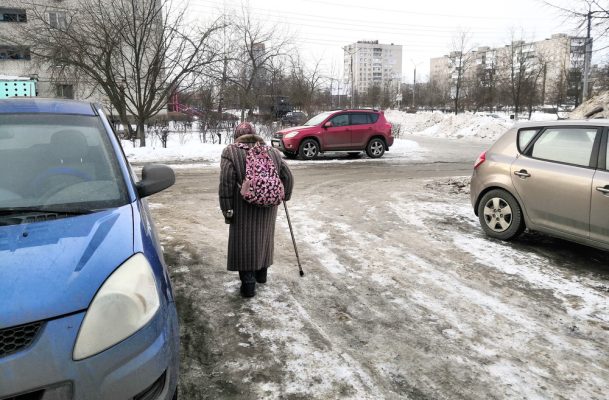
[14,78]
[438,124]
[596,107]
[187,148]
[181,148]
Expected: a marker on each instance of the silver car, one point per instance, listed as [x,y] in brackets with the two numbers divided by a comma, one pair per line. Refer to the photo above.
[550,177]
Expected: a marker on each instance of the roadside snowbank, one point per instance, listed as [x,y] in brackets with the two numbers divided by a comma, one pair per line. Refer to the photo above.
[467,125]
[596,107]
[459,126]
[181,148]
[187,149]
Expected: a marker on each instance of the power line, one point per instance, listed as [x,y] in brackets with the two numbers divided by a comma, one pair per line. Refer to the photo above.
[355,22]
[414,13]
[399,29]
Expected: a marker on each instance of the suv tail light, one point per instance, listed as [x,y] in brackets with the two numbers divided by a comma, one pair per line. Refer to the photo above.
[480,160]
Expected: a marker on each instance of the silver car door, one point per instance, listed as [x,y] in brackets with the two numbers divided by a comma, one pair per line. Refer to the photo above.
[554,179]
[599,205]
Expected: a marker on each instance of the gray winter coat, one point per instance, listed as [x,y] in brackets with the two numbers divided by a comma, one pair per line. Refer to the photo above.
[252,230]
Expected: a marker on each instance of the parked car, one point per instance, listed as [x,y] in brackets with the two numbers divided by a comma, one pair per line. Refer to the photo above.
[352,131]
[551,177]
[294,118]
[86,305]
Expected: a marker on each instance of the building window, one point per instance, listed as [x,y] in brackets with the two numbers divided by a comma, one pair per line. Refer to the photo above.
[57,20]
[14,53]
[65,91]
[12,15]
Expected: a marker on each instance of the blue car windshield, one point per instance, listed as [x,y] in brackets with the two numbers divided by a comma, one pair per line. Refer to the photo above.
[58,162]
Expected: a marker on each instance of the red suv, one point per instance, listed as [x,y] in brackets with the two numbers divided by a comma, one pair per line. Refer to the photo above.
[345,130]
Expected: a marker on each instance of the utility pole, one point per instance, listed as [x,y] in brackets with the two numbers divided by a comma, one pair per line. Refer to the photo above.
[414,82]
[224,71]
[587,57]
[331,95]
[351,52]
[414,85]
[338,93]
[352,83]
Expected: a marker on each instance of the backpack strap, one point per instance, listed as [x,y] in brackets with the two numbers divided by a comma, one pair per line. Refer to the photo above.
[273,156]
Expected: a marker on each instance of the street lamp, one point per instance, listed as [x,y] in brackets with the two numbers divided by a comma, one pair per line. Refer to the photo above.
[351,53]
[414,81]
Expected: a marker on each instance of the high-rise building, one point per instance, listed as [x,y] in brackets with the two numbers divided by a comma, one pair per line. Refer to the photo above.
[369,64]
[558,61]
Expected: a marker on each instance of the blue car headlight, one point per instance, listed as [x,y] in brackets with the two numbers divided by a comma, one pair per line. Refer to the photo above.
[124,304]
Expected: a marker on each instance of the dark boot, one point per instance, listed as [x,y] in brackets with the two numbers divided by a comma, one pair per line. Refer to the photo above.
[248,283]
[261,275]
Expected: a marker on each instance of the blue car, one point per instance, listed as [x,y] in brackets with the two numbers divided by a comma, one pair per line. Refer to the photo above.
[86,305]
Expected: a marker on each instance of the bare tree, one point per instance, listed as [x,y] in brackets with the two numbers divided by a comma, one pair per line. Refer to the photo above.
[461,58]
[305,82]
[253,46]
[520,69]
[534,84]
[134,51]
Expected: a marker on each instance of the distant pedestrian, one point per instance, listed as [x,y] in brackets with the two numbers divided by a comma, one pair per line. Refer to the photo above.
[252,227]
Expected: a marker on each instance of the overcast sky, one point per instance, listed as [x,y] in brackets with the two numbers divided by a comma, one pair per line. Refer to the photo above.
[425,29]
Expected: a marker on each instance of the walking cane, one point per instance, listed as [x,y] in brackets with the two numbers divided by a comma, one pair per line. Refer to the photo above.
[287,214]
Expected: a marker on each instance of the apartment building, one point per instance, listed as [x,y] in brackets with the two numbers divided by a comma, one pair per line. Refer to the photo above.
[368,64]
[17,60]
[556,59]
[440,72]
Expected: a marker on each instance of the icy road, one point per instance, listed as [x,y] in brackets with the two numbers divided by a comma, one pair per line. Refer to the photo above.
[403,296]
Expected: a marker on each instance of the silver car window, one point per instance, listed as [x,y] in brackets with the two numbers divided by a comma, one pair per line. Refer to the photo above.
[607,159]
[524,138]
[566,145]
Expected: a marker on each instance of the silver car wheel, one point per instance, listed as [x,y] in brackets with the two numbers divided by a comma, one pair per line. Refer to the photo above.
[310,150]
[498,214]
[376,148]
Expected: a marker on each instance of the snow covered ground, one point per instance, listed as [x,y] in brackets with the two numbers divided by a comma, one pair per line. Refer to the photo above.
[187,148]
[403,295]
[485,126]
[191,151]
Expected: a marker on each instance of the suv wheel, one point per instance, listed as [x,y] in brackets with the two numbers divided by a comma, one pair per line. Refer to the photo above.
[500,215]
[308,149]
[375,148]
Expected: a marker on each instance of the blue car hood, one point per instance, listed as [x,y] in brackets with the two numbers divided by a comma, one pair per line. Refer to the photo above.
[53,268]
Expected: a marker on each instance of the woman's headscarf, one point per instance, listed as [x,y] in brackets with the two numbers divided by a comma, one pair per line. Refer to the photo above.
[244,128]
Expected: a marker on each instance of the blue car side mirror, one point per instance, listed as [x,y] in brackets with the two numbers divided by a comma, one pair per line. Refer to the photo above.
[155,178]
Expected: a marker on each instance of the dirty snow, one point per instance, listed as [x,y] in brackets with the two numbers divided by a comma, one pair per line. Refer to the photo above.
[187,150]
[403,296]
[482,126]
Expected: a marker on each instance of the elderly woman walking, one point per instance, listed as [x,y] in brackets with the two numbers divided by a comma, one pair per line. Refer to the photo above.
[252,227]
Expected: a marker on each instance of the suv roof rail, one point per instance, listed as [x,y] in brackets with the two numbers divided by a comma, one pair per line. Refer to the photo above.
[361,109]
